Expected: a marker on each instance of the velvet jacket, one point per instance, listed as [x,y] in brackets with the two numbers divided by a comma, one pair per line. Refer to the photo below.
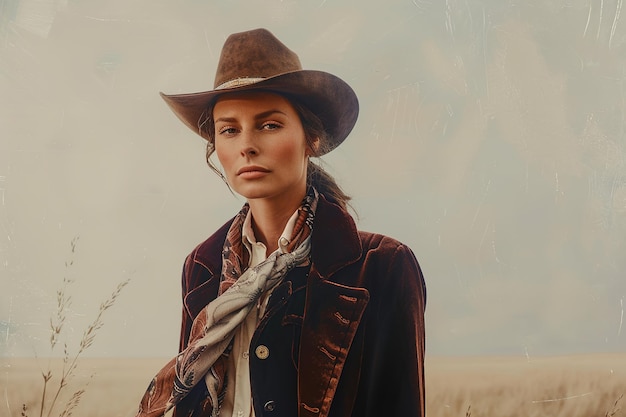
[343,337]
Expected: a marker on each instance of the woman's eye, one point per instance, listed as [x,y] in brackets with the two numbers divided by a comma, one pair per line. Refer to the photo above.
[227,131]
[270,126]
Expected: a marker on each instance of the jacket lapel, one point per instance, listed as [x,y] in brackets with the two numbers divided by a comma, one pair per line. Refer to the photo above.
[331,319]
[201,287]
[197,298]
[335,241]
[332,311]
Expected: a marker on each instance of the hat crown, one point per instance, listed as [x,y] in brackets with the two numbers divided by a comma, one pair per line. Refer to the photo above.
[254,54]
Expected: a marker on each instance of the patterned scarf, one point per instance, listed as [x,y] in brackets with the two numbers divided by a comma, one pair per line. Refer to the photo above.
[214,327]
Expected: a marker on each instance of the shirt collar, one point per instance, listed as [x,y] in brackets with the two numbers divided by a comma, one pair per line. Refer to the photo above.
[248,238]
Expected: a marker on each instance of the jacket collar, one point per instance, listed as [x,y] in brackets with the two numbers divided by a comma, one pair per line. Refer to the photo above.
[335,241]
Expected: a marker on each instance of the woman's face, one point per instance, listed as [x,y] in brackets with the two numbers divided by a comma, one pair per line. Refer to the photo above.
[260,143]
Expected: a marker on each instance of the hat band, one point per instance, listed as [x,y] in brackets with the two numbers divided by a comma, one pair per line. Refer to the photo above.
[238,82]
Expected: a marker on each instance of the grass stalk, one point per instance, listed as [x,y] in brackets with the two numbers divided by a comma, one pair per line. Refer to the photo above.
[87,340]
[615,409]
[70,362]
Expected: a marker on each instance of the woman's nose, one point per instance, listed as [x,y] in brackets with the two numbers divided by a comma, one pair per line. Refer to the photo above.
[248,144]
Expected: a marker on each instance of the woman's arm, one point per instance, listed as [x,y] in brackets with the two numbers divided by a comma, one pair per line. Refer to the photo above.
[395,343]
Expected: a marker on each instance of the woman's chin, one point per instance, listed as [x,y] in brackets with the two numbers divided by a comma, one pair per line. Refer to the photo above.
[253,193]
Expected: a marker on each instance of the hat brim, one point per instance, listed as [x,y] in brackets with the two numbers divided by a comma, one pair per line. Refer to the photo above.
[327,95]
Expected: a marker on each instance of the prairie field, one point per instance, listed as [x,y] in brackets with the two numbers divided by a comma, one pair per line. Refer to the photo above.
[572,386]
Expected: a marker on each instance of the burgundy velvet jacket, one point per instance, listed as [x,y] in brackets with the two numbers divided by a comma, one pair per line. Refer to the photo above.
[342,338]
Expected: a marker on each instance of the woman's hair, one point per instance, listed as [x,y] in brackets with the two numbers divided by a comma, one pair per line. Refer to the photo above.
[314,131]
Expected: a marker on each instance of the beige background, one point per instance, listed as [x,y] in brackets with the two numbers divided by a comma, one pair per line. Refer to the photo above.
[491,140]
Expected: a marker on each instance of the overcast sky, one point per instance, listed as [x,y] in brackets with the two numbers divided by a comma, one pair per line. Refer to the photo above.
[491,140]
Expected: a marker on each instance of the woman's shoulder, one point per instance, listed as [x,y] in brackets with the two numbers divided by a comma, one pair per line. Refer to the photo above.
[371,241]
[388,257]
[382,251]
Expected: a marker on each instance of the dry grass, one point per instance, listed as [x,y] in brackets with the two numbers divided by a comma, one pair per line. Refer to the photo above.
[569,386]
[572,386]
[54,395]
[113,387]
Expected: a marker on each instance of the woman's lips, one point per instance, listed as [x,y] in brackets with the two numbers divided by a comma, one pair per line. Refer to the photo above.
[252,172]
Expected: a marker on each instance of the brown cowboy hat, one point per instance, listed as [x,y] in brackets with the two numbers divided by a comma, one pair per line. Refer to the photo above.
[257,60]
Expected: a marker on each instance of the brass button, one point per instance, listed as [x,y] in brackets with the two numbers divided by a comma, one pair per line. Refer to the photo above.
[269,406]
[262,352]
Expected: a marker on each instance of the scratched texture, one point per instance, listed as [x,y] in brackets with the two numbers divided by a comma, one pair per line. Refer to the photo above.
[491,140]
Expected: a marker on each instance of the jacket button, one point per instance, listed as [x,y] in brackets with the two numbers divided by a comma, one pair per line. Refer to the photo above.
[262,352]
[269,406]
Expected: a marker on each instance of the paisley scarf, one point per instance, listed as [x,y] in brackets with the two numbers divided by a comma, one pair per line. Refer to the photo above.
[214,327]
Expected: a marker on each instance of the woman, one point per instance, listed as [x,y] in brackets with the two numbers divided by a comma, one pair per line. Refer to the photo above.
[288,309]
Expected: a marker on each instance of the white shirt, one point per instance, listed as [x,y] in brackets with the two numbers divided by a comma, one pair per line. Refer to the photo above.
[238,399]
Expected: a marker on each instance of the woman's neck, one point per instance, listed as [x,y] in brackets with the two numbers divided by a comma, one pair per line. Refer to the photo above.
[269,219]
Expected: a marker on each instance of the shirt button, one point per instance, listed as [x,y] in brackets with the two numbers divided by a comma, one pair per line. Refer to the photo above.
[262,352]
[269,406]
[245,354]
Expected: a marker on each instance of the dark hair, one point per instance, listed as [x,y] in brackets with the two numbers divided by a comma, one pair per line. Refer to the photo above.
[314,129]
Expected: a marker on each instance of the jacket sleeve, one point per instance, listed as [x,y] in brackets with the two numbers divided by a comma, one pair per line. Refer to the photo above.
[395,342]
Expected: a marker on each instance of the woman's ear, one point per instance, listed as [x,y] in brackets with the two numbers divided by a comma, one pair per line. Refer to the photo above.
[314,147]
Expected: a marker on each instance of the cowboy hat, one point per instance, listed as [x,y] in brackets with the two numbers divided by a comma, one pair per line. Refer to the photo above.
[257,60]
